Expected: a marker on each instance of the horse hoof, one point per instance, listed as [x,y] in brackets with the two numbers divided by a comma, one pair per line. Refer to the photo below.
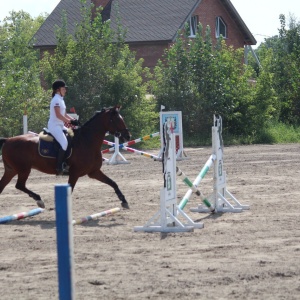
[40,203]
[125,205]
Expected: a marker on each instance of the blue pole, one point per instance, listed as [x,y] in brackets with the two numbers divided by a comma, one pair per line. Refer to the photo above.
[64,235]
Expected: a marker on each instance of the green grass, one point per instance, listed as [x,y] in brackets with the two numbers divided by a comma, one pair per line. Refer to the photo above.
[274,133]
[279,133]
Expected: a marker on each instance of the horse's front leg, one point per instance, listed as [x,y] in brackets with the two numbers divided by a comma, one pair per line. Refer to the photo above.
[99,175]
[21,185]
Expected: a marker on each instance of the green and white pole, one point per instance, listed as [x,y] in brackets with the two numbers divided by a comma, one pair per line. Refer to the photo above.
[193,186]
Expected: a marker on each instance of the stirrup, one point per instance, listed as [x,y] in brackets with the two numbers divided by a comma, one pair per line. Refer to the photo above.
[64,170]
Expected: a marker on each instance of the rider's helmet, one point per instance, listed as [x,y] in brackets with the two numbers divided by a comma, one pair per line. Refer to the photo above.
[58,84]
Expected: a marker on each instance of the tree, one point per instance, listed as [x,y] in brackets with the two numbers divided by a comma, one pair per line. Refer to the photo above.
[20,89]
[201,80]
[284,66]
[100,71]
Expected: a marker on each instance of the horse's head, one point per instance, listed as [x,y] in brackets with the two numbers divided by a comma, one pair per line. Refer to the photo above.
[117,125]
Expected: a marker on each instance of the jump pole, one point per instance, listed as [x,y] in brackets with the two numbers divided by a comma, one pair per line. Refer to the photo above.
[124,146]
[167,218]
[21,215]
[197,181]
[64,234]
[96,216]
[155,157]
[221,199]
[195,190]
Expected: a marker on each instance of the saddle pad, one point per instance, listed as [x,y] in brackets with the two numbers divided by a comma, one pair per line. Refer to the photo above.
[47,149]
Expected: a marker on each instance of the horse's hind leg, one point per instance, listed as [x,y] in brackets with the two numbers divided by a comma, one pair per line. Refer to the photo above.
[99,175]
[21,185]
[6,178]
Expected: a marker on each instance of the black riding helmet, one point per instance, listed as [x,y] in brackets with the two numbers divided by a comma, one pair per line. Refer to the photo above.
[58,84]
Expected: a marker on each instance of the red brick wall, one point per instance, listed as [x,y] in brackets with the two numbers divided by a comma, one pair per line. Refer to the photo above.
[150,52]
[208,10]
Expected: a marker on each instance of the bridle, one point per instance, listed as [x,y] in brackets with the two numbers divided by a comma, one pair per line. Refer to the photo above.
[118,133]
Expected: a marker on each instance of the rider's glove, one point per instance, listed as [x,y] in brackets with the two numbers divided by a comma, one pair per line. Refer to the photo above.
[74,122]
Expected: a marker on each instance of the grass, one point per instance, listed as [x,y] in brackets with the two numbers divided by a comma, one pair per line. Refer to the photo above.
[274,133]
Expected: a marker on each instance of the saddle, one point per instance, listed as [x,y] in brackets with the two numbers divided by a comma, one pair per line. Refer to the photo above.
[48,146]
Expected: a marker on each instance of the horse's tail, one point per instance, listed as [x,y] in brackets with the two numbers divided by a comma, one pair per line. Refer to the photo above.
[2,141]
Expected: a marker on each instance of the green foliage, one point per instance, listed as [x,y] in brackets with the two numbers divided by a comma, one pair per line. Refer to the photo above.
[100,71]
[284,64]
[201,80]
[20,88]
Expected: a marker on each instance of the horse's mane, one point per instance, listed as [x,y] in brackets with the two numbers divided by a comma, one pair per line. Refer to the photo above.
[95,115]
[83,128]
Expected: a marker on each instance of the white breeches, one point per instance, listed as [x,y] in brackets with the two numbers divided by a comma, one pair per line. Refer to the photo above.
[57,132]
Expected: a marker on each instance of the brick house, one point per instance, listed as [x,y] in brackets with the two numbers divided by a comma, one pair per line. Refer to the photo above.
[152,25]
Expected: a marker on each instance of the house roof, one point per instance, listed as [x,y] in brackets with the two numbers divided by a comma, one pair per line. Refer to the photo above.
[248,37]
[152,20]
[144,20]
[45,36]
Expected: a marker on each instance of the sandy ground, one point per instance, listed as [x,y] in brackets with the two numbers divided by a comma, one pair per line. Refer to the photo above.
[250,255]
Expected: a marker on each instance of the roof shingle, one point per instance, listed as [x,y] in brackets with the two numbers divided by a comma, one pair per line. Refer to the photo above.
[144,20]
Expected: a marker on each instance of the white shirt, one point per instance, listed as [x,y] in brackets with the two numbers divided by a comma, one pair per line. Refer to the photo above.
[57,101]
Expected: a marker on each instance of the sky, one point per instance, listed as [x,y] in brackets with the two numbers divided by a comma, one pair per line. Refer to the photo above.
[260,16]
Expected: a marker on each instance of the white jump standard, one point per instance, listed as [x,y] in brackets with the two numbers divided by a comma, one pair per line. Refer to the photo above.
[167,219]
[221,199]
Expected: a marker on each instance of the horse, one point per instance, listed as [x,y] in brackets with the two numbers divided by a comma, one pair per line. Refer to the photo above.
[20,154]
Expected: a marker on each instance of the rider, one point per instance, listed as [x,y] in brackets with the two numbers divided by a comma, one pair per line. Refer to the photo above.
[56,121]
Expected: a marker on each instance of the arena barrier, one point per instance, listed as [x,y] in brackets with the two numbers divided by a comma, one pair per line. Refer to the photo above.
[96,216]
[170,218]
[21,215]
[221,199]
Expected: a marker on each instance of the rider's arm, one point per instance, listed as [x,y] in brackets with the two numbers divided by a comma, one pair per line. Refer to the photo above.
[60,116]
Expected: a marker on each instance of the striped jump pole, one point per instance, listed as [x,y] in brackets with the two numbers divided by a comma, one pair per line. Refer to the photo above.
[140,152]
[144,138]
[21,215]
[198,179]
[95,216]
[195,190]
[129,150]
[132,142]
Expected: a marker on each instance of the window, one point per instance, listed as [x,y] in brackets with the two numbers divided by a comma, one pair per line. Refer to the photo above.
[192,26]
[221,28]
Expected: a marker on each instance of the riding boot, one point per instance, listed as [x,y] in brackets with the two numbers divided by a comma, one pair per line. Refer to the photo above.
[60,161]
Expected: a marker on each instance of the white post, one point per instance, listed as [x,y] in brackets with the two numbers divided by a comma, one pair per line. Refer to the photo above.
[25,125]
[117,157]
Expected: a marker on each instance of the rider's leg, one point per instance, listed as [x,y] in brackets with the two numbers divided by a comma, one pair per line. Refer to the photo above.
[60,160]
[63,142]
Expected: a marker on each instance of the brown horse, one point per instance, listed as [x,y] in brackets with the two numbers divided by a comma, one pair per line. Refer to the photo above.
[20,154]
